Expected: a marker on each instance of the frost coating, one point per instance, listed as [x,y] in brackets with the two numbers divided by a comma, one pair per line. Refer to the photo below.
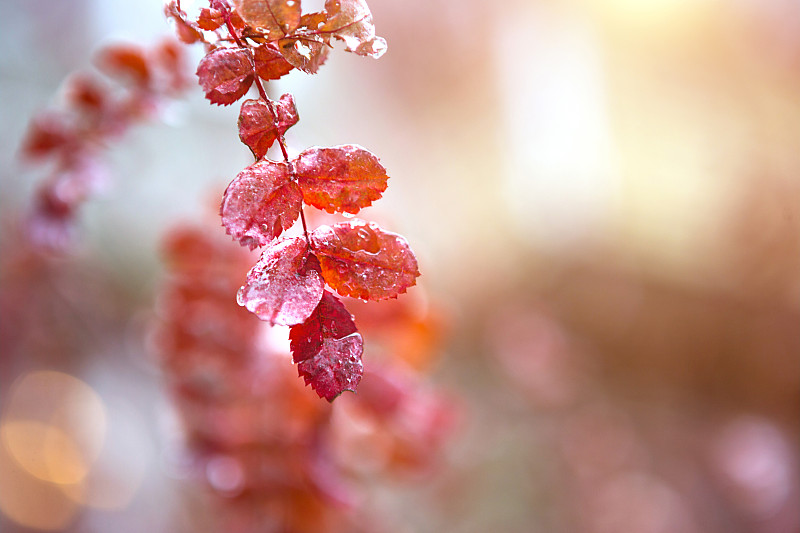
[286,284]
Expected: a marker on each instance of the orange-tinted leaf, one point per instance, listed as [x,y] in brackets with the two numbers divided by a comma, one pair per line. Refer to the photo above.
[210,19]
[361,260]
[351,21]
[307,54]
[343,178]
[185,31]
[327,349]
[286,284]
[260,203]
[226,74]
[258,127]
[276,18]
[125,60]
[270,64]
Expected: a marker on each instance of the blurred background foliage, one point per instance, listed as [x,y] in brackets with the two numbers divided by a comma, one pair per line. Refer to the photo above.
[605,199]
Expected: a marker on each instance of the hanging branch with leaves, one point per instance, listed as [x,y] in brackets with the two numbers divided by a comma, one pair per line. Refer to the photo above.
[293,283]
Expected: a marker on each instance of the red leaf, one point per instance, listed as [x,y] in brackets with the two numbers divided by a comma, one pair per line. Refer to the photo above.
[126,60]
[276,18]
[361,260]
[307,54]
[343,178]
[210,19]
[260,203]
[270,64]
[351,21]
[286,284]
[47,133]
[226,74]
[258,127]
[327,349]
[183,28]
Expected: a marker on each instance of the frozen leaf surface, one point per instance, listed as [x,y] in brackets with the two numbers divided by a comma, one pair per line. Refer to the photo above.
[274,17]
[327,349]
[351,21]
[260,203]
[286,284]
[258,127]
[226,74]
[361,260]
[307,54]
[342,178]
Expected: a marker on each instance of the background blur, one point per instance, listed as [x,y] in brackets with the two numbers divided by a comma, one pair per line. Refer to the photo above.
[604,196]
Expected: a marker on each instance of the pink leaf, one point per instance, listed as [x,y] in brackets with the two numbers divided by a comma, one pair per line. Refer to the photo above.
[260,203]
[286,284]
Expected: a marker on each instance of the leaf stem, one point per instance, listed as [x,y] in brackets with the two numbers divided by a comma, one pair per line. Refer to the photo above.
[271,105]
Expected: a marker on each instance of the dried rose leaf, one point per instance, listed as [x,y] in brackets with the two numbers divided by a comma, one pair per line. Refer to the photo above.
[226,74]
[327,349]
[276,18]
[361,260]
[342,178]
[351,21]
[286,284]
[307,54]
[258,127]
[260,203]
[270,64]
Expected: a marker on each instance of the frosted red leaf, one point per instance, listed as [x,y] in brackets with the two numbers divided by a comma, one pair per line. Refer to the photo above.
[260,203]
[286,284]
[270,64]
[186,32]
[210,19]
[361,260]
[258,127]
[125,60]
[351,21]
[342,178]
[276,18]
[226,74]
[307,54]
[327,349]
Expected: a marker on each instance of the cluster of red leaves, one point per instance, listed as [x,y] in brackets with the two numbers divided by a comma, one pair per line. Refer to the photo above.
[281,460]
[293,283]
[94,113]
